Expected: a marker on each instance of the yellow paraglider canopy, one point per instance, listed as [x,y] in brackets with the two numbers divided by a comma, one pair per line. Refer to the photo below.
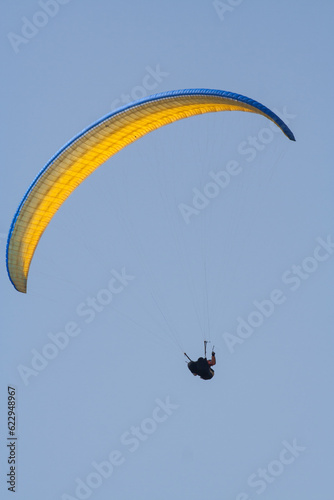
[92,147]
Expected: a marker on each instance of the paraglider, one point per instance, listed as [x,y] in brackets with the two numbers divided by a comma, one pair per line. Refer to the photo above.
[93,146]
[203,366]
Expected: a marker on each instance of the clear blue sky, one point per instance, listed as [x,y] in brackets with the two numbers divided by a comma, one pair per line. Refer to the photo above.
[252,270]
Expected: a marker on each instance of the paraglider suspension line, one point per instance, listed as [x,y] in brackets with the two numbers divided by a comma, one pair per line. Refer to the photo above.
[205,342]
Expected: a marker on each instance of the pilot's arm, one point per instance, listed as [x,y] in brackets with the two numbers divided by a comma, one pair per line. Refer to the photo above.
[212,361]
